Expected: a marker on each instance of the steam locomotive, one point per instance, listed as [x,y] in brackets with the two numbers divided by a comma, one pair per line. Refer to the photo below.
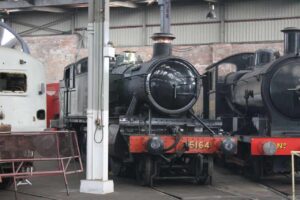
[259,104]
[152,126]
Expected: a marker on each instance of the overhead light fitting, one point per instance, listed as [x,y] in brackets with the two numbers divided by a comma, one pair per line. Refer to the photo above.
[211,14]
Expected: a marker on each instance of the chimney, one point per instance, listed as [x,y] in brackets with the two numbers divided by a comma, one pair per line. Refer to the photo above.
[291,40]
[162,44]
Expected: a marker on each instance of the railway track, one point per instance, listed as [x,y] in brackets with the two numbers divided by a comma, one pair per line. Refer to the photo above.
[196,192]
[277,191]
[226,186]
[280,185]
[166,193]
[228,194]
[229,186]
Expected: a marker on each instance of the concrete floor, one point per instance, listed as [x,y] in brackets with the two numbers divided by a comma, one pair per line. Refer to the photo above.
[226,186]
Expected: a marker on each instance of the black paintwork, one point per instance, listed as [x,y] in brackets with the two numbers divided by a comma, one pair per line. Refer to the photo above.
[261,98]
[269,91]
[169,85]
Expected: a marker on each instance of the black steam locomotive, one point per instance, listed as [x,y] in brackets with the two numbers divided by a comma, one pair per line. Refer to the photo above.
[152,126]
[259,104]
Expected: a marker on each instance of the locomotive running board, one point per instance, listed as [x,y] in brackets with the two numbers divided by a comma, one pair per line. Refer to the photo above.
[135,121]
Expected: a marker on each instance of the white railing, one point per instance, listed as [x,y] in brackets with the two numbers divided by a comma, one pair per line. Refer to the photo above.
[293,154]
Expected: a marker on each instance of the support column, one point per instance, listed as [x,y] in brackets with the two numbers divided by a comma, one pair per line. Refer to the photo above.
[98,92]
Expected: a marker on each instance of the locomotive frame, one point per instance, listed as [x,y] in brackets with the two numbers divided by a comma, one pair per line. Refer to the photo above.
[144,137]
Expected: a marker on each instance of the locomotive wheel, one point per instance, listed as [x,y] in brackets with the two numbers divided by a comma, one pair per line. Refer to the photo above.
[254,169]
[6,183]
[201,180]
[207,173]
[115,166]
[257,169]
[144,171]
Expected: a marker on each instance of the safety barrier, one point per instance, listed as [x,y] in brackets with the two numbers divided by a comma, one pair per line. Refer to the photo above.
[31,154]
[293,154]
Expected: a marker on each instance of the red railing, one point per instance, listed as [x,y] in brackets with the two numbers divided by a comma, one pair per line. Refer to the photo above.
[24,155]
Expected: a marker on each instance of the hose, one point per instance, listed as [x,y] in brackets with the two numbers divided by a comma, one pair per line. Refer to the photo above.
[177,139]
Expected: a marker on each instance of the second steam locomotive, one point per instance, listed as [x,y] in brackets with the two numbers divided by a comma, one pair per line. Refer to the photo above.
[259,104]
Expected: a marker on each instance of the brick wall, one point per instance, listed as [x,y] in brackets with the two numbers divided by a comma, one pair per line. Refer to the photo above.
[55,52]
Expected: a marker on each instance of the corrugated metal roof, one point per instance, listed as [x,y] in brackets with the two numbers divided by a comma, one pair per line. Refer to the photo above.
[126,37]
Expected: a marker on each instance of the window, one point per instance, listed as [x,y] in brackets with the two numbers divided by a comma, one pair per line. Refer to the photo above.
[226,68]
[13,82]
[82,67]
[263,58]
[40,114]
[78,68]
[210,80]
[70,76]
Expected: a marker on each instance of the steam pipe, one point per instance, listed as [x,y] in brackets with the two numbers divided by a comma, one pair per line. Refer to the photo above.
[162,41]
[165,15]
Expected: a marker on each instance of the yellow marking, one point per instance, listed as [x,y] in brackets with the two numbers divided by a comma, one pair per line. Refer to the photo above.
[281,145]
[199,145]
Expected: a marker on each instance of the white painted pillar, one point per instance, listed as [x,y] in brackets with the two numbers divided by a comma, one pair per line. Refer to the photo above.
[98,102]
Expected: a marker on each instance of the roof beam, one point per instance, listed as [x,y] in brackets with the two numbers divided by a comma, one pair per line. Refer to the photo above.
[38,3]
[59,2]
[37,28]
[42,5]
[49,9]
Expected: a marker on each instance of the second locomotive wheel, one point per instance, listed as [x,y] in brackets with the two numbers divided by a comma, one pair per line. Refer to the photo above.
[254,170]
[145,171]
